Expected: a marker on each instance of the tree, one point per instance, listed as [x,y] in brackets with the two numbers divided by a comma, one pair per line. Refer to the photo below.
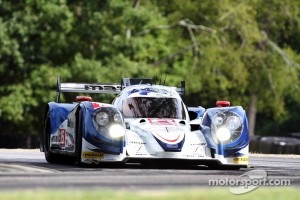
[232,56]
[32,45]
[81,41]
[232,50]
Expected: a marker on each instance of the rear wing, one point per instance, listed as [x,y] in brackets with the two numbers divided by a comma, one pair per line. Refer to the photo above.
[105,88]
[100,88]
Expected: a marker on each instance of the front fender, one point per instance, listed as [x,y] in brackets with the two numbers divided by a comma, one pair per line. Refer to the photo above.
[99,140]
[59,113]
[231,148]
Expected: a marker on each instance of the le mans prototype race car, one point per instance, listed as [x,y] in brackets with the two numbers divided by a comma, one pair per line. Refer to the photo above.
[145,123]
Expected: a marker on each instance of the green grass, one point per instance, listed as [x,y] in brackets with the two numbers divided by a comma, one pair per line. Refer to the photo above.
[283,193]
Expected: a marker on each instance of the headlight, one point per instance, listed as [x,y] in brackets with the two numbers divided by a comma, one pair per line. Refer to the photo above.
[223,134]
[116,131]
[102,118]
[117,118]
[218,119]
[233,122]
[226,127]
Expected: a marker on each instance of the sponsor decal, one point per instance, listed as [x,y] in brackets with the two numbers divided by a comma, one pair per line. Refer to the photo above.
[199,144]
[96,105]
[70,140]
[134,142]
[70,123]
[54,139]
[62,136]
[161,122]
[241,160]
[198,150]
[146,91]
[193,156]
[98,155]
[141,151]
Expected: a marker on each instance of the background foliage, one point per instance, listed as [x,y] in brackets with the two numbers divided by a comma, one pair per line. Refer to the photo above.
[243,51]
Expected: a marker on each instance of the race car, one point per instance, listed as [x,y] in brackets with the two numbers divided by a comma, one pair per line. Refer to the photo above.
[144,123]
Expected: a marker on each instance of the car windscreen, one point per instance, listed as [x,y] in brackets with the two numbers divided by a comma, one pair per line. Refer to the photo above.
[148,107]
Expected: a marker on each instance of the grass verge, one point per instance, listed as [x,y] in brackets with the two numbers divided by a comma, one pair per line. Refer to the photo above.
[216,193]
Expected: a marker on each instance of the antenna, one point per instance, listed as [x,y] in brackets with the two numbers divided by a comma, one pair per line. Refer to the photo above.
[160,79]
[165,79]
[183,88]
[154,79]
[58,81]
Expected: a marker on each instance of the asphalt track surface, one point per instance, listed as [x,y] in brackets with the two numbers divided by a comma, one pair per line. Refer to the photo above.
[28,169]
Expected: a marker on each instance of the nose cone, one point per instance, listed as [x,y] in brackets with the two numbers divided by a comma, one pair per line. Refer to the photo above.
[169,135]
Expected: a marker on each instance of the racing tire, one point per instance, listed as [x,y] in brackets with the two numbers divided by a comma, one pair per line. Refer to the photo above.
[78,142]
[49,156]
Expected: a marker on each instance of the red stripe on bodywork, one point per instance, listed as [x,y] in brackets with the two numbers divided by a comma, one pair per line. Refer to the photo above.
[169,140]
[161,121]
[96,105]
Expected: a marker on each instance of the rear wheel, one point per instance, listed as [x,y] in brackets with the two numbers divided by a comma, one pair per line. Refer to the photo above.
[49,156]
[78,138]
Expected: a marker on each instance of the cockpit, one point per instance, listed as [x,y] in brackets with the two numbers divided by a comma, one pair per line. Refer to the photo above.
[149,107]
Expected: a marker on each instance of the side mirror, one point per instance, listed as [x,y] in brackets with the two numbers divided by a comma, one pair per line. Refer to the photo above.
[127,125]
[193,115]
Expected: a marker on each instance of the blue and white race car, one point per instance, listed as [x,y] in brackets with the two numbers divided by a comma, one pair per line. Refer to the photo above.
[145,123]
